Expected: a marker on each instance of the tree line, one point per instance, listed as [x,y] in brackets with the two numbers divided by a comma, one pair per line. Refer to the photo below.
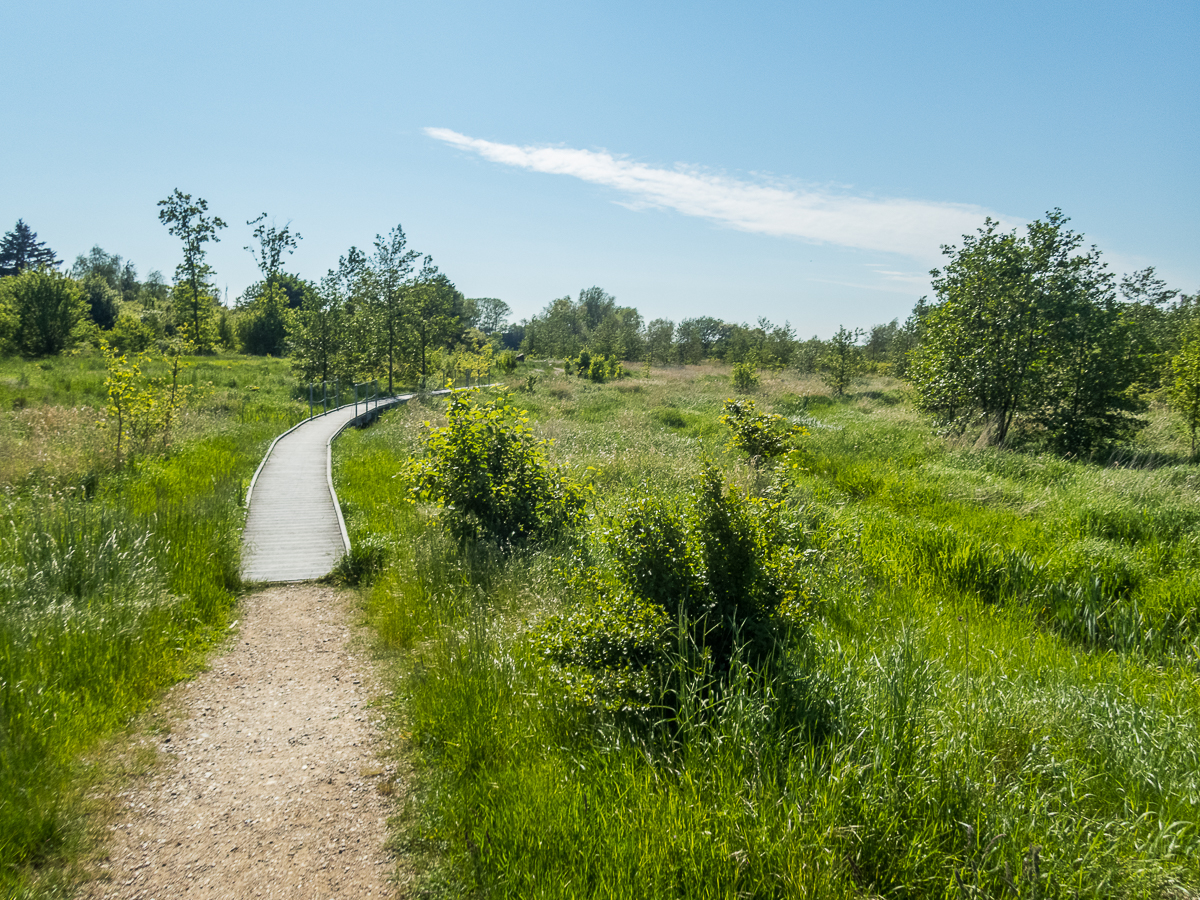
[1028,336]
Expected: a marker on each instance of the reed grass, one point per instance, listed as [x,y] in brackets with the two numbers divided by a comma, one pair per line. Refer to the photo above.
[113,578]
[956,721]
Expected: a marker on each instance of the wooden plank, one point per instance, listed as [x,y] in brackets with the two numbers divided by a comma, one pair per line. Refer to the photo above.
[294,530]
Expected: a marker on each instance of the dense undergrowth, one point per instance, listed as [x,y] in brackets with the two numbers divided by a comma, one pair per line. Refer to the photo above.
[988,689]
[112,577]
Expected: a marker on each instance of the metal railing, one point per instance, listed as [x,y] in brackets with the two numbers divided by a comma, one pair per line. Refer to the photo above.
[327,396]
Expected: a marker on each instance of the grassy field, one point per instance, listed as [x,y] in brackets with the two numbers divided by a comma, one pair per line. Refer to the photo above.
[113,577]
[993,692]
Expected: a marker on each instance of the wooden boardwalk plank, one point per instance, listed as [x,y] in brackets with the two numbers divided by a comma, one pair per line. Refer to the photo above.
[294,530]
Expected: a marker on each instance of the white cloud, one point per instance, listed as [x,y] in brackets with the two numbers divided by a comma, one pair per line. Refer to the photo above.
[914,228]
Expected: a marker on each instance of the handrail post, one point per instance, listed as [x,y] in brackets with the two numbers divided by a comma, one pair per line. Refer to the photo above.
[356,399]
[310,399]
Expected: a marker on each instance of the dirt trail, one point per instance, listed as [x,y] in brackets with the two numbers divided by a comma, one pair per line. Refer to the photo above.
[272,783]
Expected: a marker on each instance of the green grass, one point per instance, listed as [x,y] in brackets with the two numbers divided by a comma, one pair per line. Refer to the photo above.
[997,695]
[113,579]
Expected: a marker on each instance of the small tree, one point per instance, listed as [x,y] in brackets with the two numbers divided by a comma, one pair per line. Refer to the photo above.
[315,330]
[841,362]
[745,376]
[144,410]
[384,281]
[188,220]
[1185,386]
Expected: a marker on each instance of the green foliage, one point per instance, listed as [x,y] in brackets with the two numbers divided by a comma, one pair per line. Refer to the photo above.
[594,322]
[144,409]
[597,368]
[103,302]
[192,299]
[47,309]
[1027,326]
[1185,384]
[745,376]
[688,590]
[367,558]
[506,362]
[264,323]
[491,477]
[841,361]
[130,335]
[760,435]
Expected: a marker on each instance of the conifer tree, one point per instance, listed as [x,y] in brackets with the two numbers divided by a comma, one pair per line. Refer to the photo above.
[20,250]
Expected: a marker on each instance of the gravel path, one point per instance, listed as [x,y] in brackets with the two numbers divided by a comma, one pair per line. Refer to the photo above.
[271,785]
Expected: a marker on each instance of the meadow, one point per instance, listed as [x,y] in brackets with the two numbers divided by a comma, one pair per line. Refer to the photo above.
[990,688]
[115,576]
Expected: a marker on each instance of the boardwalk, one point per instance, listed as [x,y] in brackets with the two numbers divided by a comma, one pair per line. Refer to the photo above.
[294,531]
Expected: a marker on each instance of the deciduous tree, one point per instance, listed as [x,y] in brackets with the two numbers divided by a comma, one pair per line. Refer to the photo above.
[1026,325]
[48,307]
[188,220]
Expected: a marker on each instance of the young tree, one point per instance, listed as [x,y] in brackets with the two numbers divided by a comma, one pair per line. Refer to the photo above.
[20,250]
[841,362]
[103,301]
[315,331]
[273,243]
[388,278]
[188,220]
[660,339]
[263,328]
[1185,385]
[430,315]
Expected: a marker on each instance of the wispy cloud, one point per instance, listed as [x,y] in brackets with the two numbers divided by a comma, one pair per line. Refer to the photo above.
[914,228]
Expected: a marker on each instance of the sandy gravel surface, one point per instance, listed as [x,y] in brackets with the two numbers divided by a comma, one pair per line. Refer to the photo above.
[271,785]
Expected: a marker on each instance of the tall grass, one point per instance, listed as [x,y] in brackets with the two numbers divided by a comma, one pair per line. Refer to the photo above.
[112,580]
[947,726]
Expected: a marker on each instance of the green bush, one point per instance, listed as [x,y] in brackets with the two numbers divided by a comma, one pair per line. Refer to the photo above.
[506,362]
[761,435]
[491,477]
[366,558]
[687,592]
[49,311]
[131,335]
[596,368]
[745,377]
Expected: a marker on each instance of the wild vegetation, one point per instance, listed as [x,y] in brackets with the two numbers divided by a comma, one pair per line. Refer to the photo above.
[938,670]
[118,562]
[913,614]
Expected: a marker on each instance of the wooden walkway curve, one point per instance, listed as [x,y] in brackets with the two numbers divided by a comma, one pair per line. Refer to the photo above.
[294,529]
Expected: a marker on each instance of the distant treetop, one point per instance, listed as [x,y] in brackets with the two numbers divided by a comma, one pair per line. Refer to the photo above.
[20,250]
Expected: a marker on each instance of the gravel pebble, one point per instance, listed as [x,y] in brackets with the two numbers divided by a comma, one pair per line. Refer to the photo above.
[270,786]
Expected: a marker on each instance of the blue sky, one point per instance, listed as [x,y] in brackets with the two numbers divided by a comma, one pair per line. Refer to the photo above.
[799,161]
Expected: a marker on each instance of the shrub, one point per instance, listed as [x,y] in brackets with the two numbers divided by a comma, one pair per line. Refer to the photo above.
[131,335]
[506,362]
[364,561]
[491,476]
[49,310]
[716,581]
[761,435]
[745,377]
[596,368]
